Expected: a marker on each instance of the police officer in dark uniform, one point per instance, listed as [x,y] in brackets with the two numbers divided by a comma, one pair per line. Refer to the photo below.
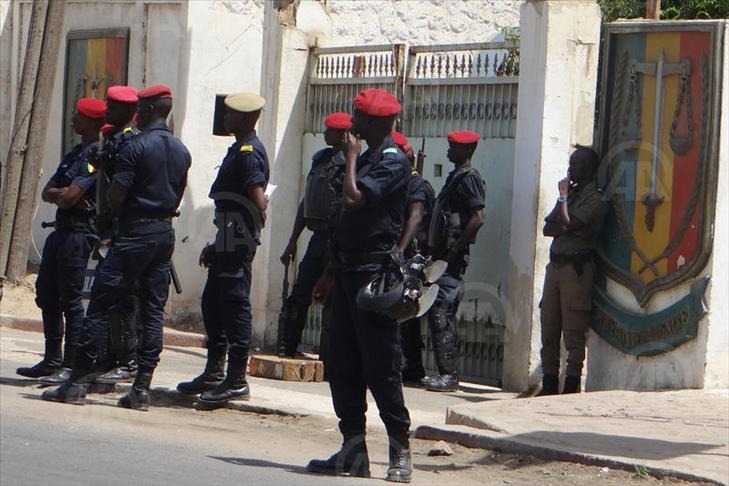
[147,187]
[574,223]
[364,346]
[414,239]
[60,281]
[457,217]
[118,359]
[318,211]
[240,205]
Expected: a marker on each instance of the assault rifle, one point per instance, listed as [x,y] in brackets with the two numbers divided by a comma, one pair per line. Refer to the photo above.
[420,160]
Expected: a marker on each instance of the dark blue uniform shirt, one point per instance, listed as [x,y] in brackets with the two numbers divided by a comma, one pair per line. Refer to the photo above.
[382,173]
[245,165]
[75,170]
[153,167]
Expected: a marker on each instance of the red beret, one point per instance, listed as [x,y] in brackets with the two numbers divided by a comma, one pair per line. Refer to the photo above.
[464,137]
[91,108]
[122,94]
[376,102]
[339,121]
[399,138]
[157,90]
[107,128]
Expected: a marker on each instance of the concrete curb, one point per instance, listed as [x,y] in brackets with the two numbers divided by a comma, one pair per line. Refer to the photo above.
[468,437]
[172,337]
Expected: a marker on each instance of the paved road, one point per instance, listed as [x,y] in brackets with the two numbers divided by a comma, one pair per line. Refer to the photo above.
[44,443]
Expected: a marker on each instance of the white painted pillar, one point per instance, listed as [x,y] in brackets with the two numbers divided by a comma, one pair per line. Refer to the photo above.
[557,80]
[283,84]
[717,353]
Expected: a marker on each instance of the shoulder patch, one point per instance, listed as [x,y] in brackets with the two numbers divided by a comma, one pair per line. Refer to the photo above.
[391,150]
[90,168]
[246,148]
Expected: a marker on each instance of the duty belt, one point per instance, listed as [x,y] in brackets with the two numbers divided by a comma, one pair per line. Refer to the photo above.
[576,259]
[78,222]
[354,259]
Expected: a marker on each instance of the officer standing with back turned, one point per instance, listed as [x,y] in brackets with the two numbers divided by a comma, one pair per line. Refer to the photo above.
[364,346]
[240,205]
[147,187]
[118,360]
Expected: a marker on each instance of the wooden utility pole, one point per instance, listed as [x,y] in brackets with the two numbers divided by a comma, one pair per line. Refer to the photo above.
[29,134]
[653,9]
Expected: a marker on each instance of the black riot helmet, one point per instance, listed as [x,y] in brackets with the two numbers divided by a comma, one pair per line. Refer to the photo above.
[404,293]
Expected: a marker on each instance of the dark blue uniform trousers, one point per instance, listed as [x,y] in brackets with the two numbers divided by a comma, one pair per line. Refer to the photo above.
[59,287]
[364,353]
[310,269]
[143,256]
[442,319]
[226,304]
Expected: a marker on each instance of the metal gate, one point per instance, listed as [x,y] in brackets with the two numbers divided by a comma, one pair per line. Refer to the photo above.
[442,88]
[337,74]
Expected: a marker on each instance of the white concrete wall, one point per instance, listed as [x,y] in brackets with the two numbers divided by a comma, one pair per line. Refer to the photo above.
[203,48]
[559,51]
[220,53]
[416,22]
[704,361]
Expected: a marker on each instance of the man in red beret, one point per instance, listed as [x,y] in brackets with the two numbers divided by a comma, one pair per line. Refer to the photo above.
[364,350]
[457,217]
[414,239]
[318,211]
[66,251]
[118,361]
[149,180]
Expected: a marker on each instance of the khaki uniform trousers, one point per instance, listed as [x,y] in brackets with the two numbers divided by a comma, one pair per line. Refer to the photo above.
[565,313]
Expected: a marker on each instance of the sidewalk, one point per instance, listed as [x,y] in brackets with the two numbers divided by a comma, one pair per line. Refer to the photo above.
[678,433]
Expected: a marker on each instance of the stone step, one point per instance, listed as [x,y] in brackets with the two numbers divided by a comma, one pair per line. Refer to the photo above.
[288,369]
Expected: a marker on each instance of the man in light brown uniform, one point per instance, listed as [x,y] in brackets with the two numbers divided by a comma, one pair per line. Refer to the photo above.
[574,223]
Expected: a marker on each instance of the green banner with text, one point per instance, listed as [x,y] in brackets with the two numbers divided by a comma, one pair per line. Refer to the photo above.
[649,334]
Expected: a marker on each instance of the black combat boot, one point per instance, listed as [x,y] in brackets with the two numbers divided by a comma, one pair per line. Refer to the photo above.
[550,386]
[208,379]
[442,383]
[350,460]
[73,390]
[120,374]
[138,396]
[50,363]
[63,374]
[571,385]
[233,387]
[295,323]
[401,465]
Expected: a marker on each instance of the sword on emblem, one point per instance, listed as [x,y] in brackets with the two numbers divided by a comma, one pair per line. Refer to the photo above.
[652,200]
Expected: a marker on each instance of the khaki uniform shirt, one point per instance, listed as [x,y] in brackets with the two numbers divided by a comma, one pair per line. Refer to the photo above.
[587,206]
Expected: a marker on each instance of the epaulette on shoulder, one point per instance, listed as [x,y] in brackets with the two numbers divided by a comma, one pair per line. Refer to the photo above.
[128,130]
[390,150]
[90,168]
[246,148]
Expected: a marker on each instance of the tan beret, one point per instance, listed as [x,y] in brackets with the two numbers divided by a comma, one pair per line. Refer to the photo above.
[244,102]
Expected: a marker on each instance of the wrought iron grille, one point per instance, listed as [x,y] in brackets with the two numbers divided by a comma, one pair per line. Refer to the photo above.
[337,74]
[462,87]
[442,88]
